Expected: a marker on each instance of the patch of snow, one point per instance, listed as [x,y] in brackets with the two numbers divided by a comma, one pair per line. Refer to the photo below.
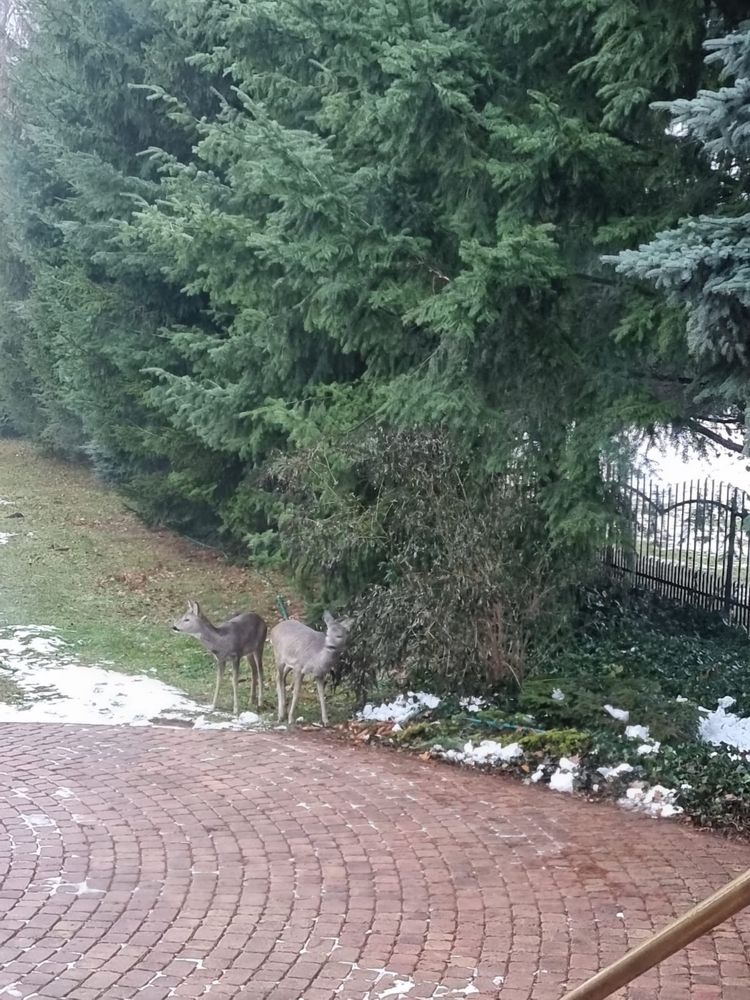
[608,773]
[637,733]
[562,779]
[401,709]
[680,700]
[399,989]
[37,819]
[558,695]
[648,745]
[473,704]
[5,503]
[78,888]
[5,537]
[486,752]
[656,801]
[60,689]
[242,721]
[720,726]
[617,713]
[727,702]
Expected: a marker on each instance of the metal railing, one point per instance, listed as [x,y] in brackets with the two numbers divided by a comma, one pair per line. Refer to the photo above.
[689,542]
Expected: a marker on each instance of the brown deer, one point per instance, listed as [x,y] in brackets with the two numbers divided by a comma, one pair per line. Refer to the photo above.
[241,635]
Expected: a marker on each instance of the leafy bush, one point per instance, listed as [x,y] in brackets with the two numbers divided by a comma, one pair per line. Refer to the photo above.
[714,785]
[450,572]
[585,697]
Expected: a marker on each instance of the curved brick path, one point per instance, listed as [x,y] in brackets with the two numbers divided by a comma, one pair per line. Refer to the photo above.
[150,863]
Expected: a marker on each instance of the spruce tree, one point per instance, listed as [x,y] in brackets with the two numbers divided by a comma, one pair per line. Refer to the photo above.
[235,230]
[702,266]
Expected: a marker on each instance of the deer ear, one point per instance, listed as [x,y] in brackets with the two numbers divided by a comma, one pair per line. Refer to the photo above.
[328,618]
[193,606]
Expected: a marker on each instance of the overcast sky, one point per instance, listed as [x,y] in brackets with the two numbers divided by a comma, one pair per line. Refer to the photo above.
[669,466]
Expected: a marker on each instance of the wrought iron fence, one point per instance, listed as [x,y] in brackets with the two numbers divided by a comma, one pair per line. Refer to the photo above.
[689,542]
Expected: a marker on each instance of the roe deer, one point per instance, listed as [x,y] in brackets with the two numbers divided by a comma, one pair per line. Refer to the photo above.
[241,635]
[303,652]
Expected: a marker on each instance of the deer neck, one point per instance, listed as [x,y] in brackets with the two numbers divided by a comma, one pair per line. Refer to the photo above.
[208,631]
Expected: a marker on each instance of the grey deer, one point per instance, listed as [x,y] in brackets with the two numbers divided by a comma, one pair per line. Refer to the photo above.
[241,635]
[303,652]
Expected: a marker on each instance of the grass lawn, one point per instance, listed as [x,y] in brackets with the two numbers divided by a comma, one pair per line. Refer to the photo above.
[80,561]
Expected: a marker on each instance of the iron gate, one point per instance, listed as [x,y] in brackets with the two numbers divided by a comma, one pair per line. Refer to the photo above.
[689,542]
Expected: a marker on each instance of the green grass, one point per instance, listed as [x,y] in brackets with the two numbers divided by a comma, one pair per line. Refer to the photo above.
[81,562]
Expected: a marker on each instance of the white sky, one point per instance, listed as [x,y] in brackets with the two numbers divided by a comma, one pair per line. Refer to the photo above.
[674,465]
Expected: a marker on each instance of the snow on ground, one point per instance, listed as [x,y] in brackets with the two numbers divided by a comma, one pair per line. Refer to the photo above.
[716,727]
[486,752]
[564,776]
[473,704]
[721,726]
[59,688]
[401,709]
[5,537]
[608,773]
[656,801]
[406,706]
[617,713]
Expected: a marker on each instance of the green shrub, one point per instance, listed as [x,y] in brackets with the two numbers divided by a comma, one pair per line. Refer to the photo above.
[449,570]
[556,743]
[586,695]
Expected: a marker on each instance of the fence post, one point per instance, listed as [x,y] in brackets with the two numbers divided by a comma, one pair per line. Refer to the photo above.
[729,562]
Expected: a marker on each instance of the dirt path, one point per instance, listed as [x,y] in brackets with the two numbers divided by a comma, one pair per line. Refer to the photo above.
[156,863]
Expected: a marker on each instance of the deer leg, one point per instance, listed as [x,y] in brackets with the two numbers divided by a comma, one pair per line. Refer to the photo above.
[253,679]
[281,691]
[320,685]
[295,695]
[235,679]
[258,660]
[219,679]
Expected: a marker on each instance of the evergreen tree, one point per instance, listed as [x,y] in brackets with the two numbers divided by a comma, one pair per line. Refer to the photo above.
[396,215]
[83,317]
[235,230]
[703,265]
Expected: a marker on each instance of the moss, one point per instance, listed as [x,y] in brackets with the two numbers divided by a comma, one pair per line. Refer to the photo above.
[556,743]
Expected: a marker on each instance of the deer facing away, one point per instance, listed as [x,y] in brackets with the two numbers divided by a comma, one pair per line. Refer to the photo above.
[303,652]
[241,635]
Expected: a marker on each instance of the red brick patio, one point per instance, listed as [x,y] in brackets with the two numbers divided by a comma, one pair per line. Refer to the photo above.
[144,864]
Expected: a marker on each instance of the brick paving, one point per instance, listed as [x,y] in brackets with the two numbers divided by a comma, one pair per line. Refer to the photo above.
[144,864]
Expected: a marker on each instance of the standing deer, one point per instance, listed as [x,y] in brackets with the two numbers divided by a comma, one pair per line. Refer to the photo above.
[241,635]
[303,652]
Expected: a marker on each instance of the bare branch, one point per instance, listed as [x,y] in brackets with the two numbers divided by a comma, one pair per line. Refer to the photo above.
[716,438]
